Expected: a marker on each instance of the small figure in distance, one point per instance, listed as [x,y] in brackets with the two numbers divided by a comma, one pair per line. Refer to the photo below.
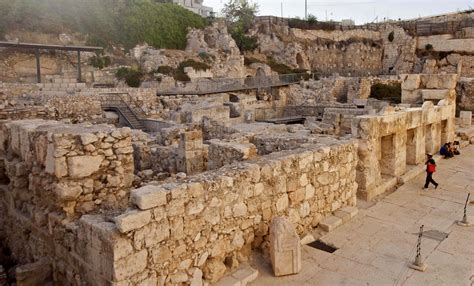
[430,170]
[446,151]
[455,148]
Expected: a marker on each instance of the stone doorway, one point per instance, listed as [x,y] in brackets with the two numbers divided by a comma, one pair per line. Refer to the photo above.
[429,140]
[387,155]
[411,147]
[444,132]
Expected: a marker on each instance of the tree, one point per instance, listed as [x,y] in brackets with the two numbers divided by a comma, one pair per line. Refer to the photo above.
[239,15]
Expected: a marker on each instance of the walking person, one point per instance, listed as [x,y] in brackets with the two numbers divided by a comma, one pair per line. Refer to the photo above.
[430,170]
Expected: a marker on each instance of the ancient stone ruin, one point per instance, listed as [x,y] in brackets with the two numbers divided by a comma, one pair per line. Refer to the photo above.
[180,184]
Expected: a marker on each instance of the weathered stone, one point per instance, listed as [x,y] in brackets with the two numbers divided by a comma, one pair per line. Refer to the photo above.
[285,248]
[84,166]
[132,219]
[148,197]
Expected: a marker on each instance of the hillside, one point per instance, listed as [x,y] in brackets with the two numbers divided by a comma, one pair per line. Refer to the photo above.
[103,22]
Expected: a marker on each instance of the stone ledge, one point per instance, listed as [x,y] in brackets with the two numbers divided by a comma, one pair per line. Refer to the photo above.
[132,220]
[346,213]
[330,223]
[148,197]
[244,275]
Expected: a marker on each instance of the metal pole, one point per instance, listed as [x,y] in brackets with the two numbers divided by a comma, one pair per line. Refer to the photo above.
[282,9]
[418,263]
[306,9]
[38,66]
[79,72]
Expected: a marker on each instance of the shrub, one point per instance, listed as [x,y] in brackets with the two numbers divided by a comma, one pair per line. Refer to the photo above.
[388,92]
[100,62]
[181,76]
[312,19]
[391,36]
[244,42]
[429,47]
[166,70]
[132,77]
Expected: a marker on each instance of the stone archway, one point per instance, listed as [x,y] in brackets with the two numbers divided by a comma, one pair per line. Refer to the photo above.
[260,73]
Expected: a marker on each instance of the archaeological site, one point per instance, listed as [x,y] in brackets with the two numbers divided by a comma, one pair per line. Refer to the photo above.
[293,155]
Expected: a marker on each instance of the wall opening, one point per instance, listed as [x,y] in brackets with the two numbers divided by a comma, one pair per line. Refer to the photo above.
[411,147]
[429,139]
[444,132]
[387,155]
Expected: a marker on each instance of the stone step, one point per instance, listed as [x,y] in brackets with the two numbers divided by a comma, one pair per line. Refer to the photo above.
[244,275]
[330,223]
[346,213]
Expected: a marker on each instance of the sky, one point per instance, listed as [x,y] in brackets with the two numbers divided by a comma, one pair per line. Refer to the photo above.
[361,11]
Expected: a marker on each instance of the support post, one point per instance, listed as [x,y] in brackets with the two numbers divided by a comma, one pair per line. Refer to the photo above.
[465,220]
[79,72]
[38,66]
[418,264]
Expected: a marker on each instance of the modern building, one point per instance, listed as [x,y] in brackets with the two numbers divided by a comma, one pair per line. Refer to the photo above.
[195,6]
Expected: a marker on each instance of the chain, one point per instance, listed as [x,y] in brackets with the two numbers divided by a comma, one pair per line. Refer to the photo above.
[418,246]
[465,207]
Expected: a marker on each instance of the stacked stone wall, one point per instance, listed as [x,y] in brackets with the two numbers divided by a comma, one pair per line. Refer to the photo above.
[178,233]
[52,174]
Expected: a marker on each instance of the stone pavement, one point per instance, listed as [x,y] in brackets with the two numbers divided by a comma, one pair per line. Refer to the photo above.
[376,247]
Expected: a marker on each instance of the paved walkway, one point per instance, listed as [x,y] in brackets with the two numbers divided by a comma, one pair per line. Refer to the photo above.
[376,246]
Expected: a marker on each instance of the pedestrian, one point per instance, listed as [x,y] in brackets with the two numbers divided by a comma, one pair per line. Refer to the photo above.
[430,170]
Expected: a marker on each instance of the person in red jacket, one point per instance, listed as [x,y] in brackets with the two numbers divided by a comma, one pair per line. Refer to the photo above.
[430,169]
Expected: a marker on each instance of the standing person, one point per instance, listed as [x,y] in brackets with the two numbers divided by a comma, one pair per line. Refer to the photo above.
[430,169]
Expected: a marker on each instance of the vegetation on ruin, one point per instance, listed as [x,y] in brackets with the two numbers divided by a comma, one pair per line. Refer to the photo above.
[239,15]
[388,92]
[311,24]
[197,66]
[100,62]
[132,77]
[429,47]
[105,22]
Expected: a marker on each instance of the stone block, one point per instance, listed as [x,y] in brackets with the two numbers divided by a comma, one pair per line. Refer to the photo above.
[330,223]
[285,247]
[148,197]
[132,219]
[130,265]
[84,166]
[245,274]
[411,97]
[411,82]
[37,273]
[346,213]
[435,94]
[466,118]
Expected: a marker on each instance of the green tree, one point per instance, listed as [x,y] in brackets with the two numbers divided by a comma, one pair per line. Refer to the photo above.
[239,15]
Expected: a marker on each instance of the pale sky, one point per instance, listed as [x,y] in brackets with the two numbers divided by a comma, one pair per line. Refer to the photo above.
[362,11]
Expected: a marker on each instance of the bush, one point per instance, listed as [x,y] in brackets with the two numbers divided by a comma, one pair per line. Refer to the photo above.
[391,36]
[181,76]
[206,57]
[166,70]
[106,22]
[100,62]
[244,42]
[388,92]
[429,47]
[312,19]
[132,77]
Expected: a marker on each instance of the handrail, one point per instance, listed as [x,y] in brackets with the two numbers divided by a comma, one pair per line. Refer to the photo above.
[140,114]
[219,85]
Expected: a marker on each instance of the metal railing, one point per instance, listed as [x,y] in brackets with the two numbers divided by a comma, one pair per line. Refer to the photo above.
[122,99]
[211,86]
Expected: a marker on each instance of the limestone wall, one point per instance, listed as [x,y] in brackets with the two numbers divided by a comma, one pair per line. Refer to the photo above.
[56,173]
[391,141]
[179,232]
